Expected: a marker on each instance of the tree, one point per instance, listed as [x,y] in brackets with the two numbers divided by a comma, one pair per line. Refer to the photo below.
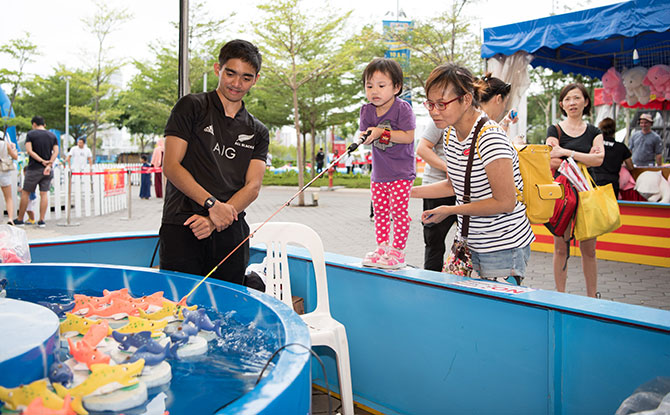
[437,40]
[102,24]
[46,96]
[298,46]
[23,51]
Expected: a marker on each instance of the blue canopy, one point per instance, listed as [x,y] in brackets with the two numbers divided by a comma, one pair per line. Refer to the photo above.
[589,42]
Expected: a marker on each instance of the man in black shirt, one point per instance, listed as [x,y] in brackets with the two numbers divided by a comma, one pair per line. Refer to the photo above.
[320,157]
[214,161]
[42,148]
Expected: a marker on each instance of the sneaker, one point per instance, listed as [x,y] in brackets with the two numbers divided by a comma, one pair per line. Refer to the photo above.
[18,222]
[372,258]
[41,224]
[30,221]
[394,259]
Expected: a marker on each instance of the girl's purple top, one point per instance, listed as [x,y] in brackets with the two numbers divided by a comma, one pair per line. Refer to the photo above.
[393,161]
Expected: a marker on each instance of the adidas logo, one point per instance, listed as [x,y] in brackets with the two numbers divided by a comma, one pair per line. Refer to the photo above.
[209,129]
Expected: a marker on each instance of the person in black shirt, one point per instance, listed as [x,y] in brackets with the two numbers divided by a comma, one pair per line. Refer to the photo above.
[42,148]
[616,154]
[215,153]
[320,157]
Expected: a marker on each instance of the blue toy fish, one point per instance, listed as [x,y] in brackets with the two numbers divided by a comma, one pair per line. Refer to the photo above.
[59,309]
[150,359]
[60,372]
[199,318]
[183,332]
[137,340]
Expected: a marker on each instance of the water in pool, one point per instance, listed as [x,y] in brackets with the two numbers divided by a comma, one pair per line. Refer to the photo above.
[201,384]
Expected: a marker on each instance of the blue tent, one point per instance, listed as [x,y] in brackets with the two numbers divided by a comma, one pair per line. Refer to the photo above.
[589,42]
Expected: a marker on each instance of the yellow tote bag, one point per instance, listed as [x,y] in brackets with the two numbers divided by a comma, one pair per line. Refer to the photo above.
[597,211]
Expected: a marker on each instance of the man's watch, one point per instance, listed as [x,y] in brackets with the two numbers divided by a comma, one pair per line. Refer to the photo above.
[209,203]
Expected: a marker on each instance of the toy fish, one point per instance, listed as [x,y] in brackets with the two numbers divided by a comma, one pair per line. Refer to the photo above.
[36,407]
[150,358]
[137,324]
[122,293]
[97,333]
[103,379]
[183,332]
[60,372]
[116,309]
[21,397]
[199,318]
[170,311]
[82,352]
[83,302]
[75,323]
[156,299]
[137,340]
[59,309]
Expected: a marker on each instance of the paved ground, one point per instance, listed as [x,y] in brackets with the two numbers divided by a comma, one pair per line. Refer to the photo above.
[342,221]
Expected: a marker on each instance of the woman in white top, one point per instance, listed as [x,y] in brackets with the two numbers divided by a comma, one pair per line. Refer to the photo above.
[8,154]
[499,236]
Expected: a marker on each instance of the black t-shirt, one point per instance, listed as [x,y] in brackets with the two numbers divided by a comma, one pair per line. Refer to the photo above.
[43,142]
[582,144]
[218,154]
[615,154]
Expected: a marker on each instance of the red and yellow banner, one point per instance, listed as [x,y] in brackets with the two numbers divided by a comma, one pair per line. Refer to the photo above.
[114,182]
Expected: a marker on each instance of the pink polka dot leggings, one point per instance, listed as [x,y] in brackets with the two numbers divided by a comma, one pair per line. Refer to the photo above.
[391,198]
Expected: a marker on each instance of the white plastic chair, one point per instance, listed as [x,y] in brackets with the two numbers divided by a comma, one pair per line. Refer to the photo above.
[324,330]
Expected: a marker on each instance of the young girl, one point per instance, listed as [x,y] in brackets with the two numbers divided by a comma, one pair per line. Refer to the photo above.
[390,122]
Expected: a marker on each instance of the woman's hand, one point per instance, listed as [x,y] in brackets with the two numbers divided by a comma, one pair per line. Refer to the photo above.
[201,226]
[436,215]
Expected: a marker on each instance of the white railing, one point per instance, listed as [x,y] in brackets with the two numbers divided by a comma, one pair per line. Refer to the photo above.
[102,190]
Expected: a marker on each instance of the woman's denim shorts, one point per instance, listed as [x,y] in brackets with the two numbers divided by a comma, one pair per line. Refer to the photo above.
[503,263]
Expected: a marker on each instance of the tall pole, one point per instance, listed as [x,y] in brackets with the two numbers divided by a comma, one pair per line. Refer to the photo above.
[184,87]
[204,81]
[67,110]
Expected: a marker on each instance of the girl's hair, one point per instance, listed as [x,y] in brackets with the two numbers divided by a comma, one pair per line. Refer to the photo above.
[461,80]
[494,86]
[608,128]
[388,67]
[569,87]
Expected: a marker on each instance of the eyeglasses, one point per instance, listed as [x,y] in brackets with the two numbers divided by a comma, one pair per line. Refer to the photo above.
[440,105]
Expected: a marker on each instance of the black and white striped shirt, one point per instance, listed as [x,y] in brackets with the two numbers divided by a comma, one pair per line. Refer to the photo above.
[495,232]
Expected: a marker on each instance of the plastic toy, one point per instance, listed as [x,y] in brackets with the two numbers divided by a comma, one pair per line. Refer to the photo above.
[22,396]
[137,324]
[137,340]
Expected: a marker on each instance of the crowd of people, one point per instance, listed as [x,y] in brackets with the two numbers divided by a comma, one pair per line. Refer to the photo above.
[215,152]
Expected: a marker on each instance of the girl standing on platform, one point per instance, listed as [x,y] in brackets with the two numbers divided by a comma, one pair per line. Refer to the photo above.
[390,122]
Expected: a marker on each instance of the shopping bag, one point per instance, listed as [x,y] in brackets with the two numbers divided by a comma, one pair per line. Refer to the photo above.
[459,261]
[597,211]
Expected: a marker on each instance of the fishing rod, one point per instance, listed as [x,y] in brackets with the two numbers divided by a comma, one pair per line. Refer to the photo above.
[350,149]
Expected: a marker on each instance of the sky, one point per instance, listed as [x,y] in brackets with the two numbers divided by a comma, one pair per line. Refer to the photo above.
[57,29]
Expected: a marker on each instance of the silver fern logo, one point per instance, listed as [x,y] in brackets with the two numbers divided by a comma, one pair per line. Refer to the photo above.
[209,129]
[244,137]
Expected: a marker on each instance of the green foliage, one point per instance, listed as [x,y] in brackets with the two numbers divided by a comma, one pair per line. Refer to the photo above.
[290,178]
[22,51]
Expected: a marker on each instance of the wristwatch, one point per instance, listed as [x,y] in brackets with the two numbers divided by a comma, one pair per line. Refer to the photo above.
[209,203]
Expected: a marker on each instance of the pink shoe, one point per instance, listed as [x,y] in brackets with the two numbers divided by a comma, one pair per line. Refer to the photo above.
[372,258]
[394,259]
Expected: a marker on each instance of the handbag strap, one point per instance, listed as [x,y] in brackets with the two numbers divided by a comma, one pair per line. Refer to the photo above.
[465,226]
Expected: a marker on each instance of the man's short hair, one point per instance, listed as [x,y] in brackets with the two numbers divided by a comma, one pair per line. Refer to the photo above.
[243,50]
[37,120]
[82,139]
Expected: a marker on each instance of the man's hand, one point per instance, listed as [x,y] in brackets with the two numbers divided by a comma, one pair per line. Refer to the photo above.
[222,215]
[201,226]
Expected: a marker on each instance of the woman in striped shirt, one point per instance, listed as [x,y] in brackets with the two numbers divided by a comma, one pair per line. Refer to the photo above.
[499,234]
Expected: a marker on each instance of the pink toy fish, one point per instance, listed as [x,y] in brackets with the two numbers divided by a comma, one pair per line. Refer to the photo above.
[96,333]
[156,299]
[83,303]
[82,352]
[36,407]
[118,308]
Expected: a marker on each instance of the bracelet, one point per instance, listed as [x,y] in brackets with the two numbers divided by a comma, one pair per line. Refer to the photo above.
[386,134]
[572,154]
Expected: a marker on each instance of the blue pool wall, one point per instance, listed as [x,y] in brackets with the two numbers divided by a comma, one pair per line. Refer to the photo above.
[285,389]
[419,343]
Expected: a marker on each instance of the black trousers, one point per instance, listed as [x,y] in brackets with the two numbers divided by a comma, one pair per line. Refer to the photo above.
[181,251]
[435,234]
